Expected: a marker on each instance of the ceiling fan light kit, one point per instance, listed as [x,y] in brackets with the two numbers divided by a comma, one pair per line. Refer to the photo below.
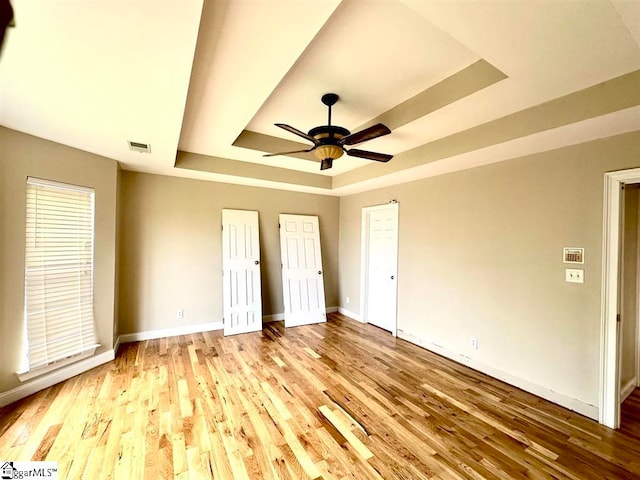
[329,140]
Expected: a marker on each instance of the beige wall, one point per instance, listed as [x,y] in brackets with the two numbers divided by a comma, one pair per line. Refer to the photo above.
[21,156]
[170,245]
[629,287]
[480,254]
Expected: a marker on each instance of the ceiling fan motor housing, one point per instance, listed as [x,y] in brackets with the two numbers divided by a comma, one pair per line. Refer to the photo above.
[329,133]
[328,136]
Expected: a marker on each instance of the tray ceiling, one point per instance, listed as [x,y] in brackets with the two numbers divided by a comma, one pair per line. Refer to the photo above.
[460,83]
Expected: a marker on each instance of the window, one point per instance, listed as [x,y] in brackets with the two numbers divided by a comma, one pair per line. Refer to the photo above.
[58,272]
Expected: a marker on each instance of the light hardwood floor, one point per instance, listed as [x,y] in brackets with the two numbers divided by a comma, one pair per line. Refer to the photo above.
[335,400]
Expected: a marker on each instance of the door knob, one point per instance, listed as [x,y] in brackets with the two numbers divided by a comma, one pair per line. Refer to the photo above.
[257,262]
[392,277]
[319,272]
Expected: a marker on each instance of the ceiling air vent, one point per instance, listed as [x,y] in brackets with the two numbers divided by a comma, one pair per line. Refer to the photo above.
[139,147]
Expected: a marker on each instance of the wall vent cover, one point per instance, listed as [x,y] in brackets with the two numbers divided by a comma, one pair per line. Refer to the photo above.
[139,147]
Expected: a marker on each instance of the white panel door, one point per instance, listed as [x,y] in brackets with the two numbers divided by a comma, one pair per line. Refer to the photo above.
[381,266]
[241,272]
[302,277]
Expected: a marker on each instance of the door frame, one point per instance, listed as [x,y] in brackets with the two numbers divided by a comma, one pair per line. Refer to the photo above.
[610,349]
[364,258]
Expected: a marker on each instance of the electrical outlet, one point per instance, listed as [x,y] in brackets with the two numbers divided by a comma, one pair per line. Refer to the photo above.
[348,300]
[474,343]
[180,315]
[574,275]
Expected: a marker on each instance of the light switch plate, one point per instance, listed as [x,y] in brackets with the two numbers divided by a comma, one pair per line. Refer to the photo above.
[574,275]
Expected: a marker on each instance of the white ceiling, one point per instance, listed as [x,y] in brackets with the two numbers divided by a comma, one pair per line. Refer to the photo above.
[192,76]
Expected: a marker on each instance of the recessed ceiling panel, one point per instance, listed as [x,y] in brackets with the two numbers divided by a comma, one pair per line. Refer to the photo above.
[374,55]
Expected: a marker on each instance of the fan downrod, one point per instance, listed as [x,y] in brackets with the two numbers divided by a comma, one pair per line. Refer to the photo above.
[330,99]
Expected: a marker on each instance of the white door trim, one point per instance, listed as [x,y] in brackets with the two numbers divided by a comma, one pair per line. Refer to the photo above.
[609,411]
[364,256]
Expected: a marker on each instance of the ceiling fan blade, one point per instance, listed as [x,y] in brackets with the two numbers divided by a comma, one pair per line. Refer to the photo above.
[375,131]
[288,153]
[300,133]
[378,157]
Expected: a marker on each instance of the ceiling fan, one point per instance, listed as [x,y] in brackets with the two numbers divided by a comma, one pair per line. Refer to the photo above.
[329,140]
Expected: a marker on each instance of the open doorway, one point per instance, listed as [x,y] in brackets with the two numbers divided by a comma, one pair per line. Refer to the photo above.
[629,256]
[619,336]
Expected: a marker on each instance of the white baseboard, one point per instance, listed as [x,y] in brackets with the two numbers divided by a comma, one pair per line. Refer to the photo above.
[277,317]
[187,329]
[627,389]
[355,316]
[168,332]
[45,381]
[576,405]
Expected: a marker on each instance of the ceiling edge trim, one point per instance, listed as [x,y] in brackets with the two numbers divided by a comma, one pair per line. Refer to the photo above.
[238,168]
[469,80]
[613,95]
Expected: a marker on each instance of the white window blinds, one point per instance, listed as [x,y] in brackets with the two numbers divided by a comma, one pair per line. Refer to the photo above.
[58,271]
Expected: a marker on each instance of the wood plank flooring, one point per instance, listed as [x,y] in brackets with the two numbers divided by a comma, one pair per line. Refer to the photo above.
[333,401]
